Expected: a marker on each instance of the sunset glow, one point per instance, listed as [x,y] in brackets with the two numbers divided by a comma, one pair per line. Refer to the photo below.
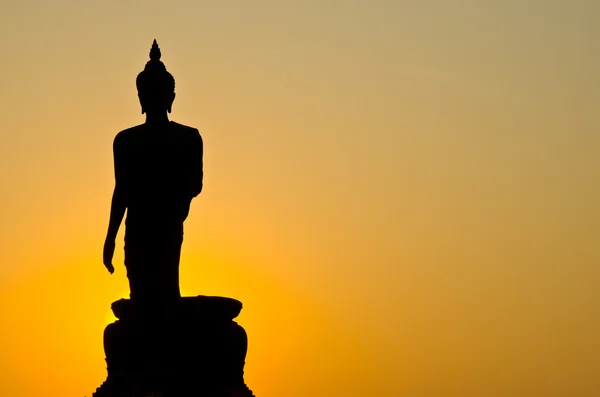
[404,195]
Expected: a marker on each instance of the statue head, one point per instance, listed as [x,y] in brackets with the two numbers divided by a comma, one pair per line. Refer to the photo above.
[156,86]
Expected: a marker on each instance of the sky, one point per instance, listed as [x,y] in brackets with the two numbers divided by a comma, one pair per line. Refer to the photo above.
[403,194]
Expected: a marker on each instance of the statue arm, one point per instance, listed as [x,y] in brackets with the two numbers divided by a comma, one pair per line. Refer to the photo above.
[117,212]
[118,204]
[197,173]
[117,208]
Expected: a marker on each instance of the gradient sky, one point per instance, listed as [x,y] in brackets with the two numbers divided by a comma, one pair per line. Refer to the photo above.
[404,194]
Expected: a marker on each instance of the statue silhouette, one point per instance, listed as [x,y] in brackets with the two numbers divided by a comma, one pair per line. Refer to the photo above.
[163,344]
[158,171]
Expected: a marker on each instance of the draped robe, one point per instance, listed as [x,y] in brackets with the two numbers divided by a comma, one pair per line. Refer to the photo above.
[158,171]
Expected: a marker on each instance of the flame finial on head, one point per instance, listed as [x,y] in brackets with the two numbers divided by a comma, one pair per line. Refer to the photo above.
[155,52]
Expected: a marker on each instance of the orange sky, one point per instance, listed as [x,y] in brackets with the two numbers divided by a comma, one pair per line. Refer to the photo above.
[403,194]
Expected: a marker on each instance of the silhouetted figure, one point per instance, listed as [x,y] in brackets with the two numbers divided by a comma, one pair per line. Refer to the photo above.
[163,344]
[158,171]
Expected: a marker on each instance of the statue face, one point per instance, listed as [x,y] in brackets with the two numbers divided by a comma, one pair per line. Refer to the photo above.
[156,102]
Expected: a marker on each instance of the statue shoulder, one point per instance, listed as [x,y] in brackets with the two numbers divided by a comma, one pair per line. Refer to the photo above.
[185,130]
[125,136]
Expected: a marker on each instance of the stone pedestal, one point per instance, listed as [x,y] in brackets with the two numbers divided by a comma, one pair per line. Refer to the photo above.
[189,347]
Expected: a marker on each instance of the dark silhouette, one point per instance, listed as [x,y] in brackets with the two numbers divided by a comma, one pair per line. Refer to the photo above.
[163,344]
[158,171]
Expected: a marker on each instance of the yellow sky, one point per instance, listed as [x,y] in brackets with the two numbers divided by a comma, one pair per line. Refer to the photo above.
[404,194]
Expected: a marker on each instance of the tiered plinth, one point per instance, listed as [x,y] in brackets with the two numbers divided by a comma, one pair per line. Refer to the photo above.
[189,347]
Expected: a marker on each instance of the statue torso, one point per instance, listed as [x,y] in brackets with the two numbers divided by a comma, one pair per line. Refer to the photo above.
[157,167]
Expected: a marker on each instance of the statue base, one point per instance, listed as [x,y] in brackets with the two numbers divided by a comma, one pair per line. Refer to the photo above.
[188,347]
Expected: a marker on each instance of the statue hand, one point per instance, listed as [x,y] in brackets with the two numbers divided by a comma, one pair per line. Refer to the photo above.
[109,250]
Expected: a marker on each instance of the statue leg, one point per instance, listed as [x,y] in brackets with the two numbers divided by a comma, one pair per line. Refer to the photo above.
[167,267]
[153,267]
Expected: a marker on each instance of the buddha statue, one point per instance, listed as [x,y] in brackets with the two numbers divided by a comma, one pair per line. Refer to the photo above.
[158,171]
